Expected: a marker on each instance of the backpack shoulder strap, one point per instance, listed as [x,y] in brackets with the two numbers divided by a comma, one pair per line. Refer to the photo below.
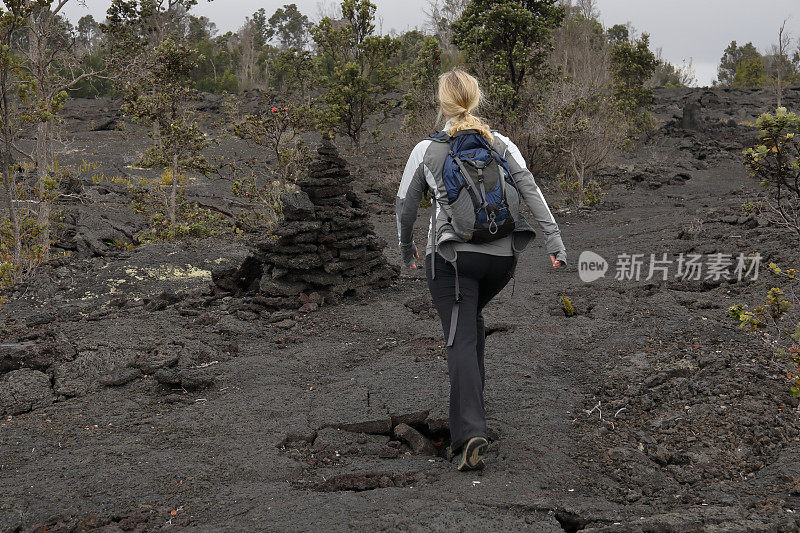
[502,161]
[440,137]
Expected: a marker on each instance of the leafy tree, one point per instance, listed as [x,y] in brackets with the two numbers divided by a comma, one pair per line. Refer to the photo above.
[89,33]
[293,72]
[359,74]
[160,96]
[289,27]
[420,100]
[750,72]
[581,48]
[200,29]
[215,68]
[633,64]
[508,42]
[411,42]
[730,65]
[618,33]
[133,26]
[53,68]
[263,33]
[441,15]
[775,162]
[668,75]
[13,20]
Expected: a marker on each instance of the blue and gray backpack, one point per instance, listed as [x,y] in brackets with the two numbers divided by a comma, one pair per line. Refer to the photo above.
[481,193]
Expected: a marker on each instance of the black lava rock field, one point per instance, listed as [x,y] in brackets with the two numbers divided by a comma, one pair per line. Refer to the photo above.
[137,394]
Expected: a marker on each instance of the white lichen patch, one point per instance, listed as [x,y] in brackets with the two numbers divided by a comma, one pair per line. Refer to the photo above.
[170,273]
[113,285]
[133,273]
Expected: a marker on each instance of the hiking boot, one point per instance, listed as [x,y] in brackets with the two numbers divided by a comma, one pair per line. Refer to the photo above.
[471,456]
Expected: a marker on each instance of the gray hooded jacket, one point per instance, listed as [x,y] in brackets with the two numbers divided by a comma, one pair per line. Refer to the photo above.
[424,171]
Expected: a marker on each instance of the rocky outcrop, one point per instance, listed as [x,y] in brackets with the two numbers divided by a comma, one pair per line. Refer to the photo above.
[325,248]
[24,390]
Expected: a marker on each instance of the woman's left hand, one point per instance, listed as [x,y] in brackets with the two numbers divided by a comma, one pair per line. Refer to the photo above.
[556,263]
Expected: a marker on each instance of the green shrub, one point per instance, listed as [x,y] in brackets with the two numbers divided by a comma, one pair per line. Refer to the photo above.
[12,271]
[775,162]
[633,64]
[762,316]
[566,305]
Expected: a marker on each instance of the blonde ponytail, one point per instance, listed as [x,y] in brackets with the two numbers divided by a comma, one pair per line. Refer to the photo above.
[459,95]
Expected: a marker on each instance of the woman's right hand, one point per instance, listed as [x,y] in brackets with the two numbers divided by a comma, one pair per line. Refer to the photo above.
[413,265]
[410,254]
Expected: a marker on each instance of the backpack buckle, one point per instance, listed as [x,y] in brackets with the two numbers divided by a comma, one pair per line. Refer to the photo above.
[493,227]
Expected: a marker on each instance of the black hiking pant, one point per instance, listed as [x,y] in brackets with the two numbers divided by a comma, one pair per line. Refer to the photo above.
[480,277]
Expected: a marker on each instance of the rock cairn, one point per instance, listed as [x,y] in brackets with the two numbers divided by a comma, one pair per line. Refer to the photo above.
[324,249]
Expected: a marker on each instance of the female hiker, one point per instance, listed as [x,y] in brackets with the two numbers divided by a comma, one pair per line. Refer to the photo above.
[477,178]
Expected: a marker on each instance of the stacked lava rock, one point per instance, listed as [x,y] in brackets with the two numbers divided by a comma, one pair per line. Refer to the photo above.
[324,249]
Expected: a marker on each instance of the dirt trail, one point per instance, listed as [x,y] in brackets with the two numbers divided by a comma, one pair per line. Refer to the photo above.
[692,430]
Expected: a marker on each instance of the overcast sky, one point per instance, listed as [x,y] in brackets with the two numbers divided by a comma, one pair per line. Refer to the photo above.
[697,30]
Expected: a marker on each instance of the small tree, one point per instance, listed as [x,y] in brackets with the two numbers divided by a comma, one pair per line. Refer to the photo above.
[359,74]
[775,162]
[12,74]
[669,75]
[782,69]
[161,96]
[750,72]
[252,72]
[581,128]
[289,26]
[580,46]
[441,16]
[618,33]
[276,129]
[420,100]
[273,127]
[53,66]
[293,72]
[633,64]
[89,34]
[508,42]
[730,64]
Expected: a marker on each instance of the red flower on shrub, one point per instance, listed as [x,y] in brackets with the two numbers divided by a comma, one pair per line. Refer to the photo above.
[274,109]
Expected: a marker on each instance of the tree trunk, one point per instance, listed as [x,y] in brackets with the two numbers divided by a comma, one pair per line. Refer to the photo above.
[10,193]
[578,175]
[43,159]
[173,198]
[8,177]
[781,54]
[39,27]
